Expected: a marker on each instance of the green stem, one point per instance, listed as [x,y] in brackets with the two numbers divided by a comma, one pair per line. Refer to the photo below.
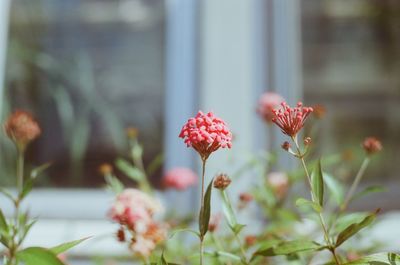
[204,160]
[244,259]
[320,216]
[355,184]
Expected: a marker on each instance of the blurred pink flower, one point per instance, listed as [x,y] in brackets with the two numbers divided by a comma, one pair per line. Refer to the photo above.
[267,102]
[133,205]
[179,178]
[206,133]
[291,120]
[279,183]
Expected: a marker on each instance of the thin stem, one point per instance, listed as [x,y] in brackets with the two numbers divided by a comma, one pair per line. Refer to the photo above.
[333,251]
[202,207]
[320,216]
[241,248]
[355,184]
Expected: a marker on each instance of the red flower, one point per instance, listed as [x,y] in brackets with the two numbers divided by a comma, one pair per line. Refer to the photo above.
[22,128]
[291,120]
[206,134]
[372,145]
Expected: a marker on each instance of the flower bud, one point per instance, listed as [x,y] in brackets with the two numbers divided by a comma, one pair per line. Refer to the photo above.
[132,132]
[121,235]
[105,169]
[307,141]
[21,128]
[372,145]
[250,240]
[222,181]
[286,146]
[245,197]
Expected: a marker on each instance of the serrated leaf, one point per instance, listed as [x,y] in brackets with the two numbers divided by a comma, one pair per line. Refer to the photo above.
[37,255]
[335,187]
[304,202]
[129,170]
[66,246]
[368,190]
[289,247]
[353,229]
[205,213]
[377,259]
[317,181]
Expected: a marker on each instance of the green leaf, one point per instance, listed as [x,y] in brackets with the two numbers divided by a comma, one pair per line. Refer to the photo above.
[348,219]
[66,246]
[114,184]
[162,260]
[205,213]
[304,202]
[317,181]
[37,255]
[38,170]
[155,164]
[184,230]
[7,194]
[335,187]
[353,229]
[377,259]
[223,254]
[3,223]
[288,248]
[368,190]
[129,170]
[230,214]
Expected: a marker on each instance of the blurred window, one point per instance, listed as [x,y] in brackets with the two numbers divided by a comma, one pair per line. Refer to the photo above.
[351,66]
[87,69]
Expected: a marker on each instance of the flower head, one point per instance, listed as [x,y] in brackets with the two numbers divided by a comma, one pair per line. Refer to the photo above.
[222,181]
[133,208]
[22,128]
[267,103]
[291,120]
[180,178]
[105,169]
[206,133]
[372,145]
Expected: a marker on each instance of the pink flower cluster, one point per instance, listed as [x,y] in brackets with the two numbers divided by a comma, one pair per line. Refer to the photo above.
[267,103]
[206,133]
[179,178]
[134,211]
[291,120]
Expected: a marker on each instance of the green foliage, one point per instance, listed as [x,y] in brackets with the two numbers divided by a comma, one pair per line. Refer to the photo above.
[131,171]
[37,255]
[378,259]
[354,228]
[288,248]
[205,212]
[317,181]
[66,246]
[304,202]
[229,214]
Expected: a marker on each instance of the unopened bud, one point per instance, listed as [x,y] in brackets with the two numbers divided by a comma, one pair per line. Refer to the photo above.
[132,132]
[121,235]
[105,169]
[372,145]
[222,181]
[250,240]
[245,197]
[286,146]
[307,141]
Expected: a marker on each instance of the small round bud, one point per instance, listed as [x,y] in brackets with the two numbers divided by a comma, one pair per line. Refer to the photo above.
[250,240]
[372,145]
[307,141]
[222,181]
[121,235]
[21,128]
[245,197]
[286,146]
[132,132]
[105,169]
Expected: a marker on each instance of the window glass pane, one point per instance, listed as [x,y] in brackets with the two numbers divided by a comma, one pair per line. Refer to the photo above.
[351,64]
[87,69]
